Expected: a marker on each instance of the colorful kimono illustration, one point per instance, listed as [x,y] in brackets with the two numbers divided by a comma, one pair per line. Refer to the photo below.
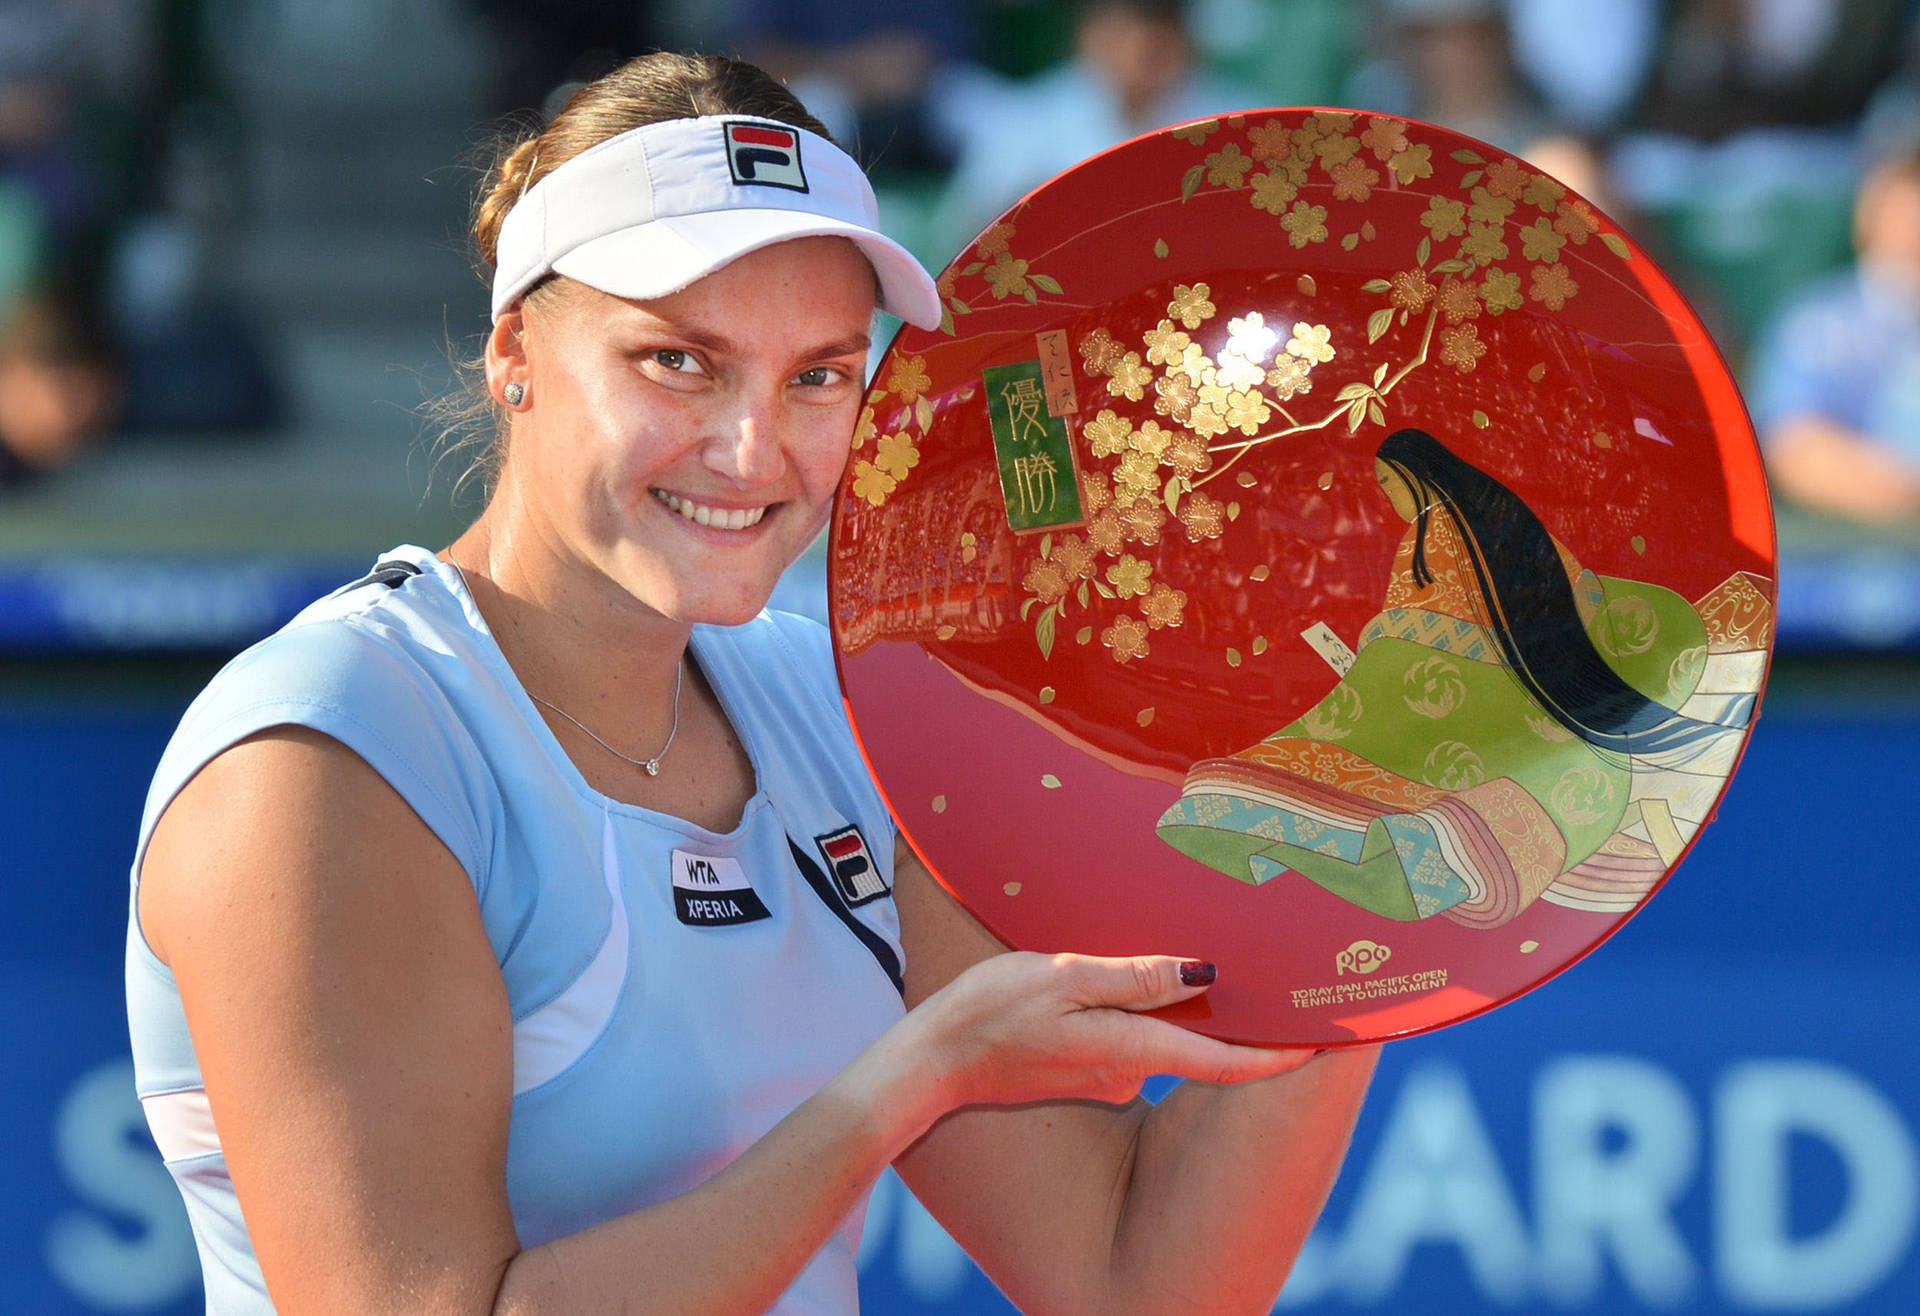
[1470,762]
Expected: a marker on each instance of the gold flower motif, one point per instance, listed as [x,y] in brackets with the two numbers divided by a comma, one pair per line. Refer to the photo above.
[1203,517]
[1144,520]
[1074,556]
[1095,493]
[1539,242]
[1305,223]
[1136,476]
[1411,290]
[1459,301]
[1130,378]
[1289,376]
[1190,305]
[1187,455]
[1130,576]
[1237,371]
[1353,180]
[1506,179]
[1272,191]
[1127,638]
[1575,221]
[1331,121]
[1206,421]
[1227,167]
[1213,394]
[1269,141]
[1108,530]
[1336,149]
[1384,136]
[864,428]
[872,483]
[1304,139]
[1500,290]
[1488,208]
[1006,276]
[1445,218]
[1099,352]
[1164,343]
[1164,606]
[1197,132]
[1460,346]
[1483,245]
[1553,285]
[897,455]
[1194,364]
[1412,164]
[1247,411]
[994,241]
[1174,395]
[1312,343]
[1107,433]
[1248,335]
[1046,582]
[909,377]
[945,283]
[1150,439]
[1543,193]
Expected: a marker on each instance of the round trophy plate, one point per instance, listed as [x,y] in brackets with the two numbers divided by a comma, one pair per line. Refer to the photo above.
[1316,542]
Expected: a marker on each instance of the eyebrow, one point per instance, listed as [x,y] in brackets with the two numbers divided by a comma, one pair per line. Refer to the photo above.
[852,344]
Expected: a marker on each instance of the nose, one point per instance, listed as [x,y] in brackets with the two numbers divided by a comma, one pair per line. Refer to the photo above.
[747,444]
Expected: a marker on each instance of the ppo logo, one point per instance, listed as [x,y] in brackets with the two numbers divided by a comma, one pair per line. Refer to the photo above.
[1362,957]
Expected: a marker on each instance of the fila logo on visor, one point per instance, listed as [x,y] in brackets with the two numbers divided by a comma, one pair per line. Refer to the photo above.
[712,891]
[765,156]
[852,866]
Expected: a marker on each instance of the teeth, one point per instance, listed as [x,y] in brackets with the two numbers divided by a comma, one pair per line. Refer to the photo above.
[720,518]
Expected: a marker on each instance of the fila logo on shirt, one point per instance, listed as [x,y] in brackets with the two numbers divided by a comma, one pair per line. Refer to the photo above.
[765,156]
[712,891]
[852,866]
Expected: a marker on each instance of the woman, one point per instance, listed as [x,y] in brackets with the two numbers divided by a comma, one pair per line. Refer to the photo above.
[517,931]
[1498,738]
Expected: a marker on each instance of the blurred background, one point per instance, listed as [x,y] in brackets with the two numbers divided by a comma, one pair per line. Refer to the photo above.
[233,272]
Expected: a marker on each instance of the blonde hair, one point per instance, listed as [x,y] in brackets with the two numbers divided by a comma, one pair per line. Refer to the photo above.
[470,426]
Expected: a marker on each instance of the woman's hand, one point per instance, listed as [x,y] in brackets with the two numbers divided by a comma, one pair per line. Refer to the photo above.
[1022,1027]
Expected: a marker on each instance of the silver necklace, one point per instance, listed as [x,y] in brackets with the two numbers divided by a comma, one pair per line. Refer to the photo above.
[652,765]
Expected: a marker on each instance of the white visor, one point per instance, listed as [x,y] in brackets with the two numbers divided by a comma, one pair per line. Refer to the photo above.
[648,212]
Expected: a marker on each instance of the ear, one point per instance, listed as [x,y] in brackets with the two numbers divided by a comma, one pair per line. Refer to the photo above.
[507,355]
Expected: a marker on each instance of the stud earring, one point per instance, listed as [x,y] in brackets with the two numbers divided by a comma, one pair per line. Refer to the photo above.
[515,394]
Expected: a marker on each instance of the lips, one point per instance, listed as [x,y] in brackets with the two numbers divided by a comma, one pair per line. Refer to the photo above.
[717,518]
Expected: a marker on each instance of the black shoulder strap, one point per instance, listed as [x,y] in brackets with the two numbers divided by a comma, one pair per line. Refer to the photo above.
[392,573]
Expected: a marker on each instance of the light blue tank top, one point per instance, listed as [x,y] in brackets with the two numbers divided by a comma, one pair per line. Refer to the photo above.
[675,992]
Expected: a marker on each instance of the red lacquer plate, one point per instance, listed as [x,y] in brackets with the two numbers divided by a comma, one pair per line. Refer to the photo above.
[1318,543]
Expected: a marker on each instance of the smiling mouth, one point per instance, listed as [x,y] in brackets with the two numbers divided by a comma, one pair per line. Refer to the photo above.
[717,518]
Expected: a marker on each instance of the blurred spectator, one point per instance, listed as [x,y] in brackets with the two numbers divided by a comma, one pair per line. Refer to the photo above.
[1133,70]
[1836,381]
[59,386]
[1451,63]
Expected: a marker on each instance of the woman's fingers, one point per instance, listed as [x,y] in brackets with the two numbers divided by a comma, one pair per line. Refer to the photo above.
[1137,982]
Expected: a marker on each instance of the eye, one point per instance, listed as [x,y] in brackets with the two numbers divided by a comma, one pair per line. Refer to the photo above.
[819,376]
[676,359]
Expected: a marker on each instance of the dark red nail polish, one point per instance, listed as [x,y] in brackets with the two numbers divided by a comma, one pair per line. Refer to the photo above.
[1197,973]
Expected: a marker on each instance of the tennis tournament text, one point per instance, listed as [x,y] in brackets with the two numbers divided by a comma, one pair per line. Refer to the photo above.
[1368,989]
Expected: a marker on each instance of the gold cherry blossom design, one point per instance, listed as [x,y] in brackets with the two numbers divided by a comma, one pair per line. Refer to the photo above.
[1412,164]
[1095,493]
[1190,305]
[1108,530]
[1539,242]
[1045,581]
[1206,421]
[1194,364]
[1575,221]
[1187,455]
[1305,224]
[1460,346]
[1272,191]
[1411,290]
[1107,433]
[1488,208]
[1204,517]
[1164,343]
[1353,180]
[944,285]
[1500,290]
[1074,556]
[909,378]
[1007,277]
[1099,352]
[1506,179]
[1197,133]
[1335,150]
[1289,376]
[1459,301]
[1543,193]
[1228,166]
[1164,606]
[1445,218]
[864,428]
[1144,520]
[1384,136]
[995,241]
[1130,576]
[1174,395]
[1312,343]
[1553,285]
[1135,476]
[1126,638]
[1150,439]
[897,455]
[1130,378]
[1484,245]
[872,483]
[1236,371]
[1247,411]
[1270,141]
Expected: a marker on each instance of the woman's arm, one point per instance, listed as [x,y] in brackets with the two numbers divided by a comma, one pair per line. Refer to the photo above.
[356,1044]
[1196,1205]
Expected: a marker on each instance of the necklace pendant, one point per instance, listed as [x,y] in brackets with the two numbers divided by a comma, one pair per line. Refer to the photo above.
[652,766]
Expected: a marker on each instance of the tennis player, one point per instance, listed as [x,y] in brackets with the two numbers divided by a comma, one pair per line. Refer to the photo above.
[518,930]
